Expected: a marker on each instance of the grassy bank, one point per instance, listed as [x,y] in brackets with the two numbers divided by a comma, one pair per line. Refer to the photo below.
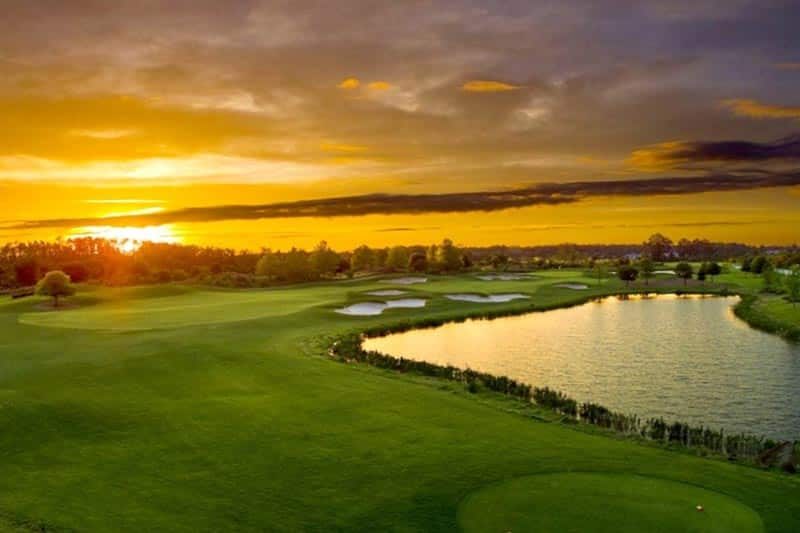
[187,409]
[771,313]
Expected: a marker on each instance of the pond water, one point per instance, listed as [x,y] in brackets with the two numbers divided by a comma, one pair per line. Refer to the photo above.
[683,358]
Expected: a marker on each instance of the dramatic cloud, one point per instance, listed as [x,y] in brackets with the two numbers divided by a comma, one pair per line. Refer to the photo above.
[390,204]
[678,153]
[359,96]
[754,109]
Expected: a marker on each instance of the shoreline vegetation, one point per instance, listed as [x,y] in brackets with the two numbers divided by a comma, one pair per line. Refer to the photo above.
[756,316]
[744,448]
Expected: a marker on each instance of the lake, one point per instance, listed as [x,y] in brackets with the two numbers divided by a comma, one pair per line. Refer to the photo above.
[685,358]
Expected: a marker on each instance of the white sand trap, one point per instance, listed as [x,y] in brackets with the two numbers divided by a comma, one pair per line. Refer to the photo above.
[573,286]
[406,281]
[376,308]
[388,292]
[406,303]
[491,299]
[664,272]
[502,277]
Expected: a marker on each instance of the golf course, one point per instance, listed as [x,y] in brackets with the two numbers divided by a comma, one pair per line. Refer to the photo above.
[185,408]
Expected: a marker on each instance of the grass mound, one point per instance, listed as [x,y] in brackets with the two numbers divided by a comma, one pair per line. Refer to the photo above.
[603,502]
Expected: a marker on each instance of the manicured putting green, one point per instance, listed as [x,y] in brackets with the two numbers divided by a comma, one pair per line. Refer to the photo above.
[598,502]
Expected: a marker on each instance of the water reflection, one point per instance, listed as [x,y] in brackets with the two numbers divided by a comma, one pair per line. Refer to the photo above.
[682,357]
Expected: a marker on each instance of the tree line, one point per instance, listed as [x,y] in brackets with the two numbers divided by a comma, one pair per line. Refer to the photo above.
[101,260]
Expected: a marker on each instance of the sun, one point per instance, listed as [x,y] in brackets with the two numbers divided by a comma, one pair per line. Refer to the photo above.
[128,239]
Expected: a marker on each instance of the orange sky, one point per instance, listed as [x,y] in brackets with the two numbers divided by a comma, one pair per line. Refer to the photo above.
[142,107]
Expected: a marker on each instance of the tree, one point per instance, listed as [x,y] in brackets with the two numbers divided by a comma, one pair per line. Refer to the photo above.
[701,273]
[627,274]
[793,286]
[684,270]
[657,247]
[324,261]
[448,256]
[713,269]
[296,266]
[499,261]
[600,272]
[397,258]
[267,266]
[772,281]
[363,258]
[77,272]
[55,284]
[27,272]
[417,262]
[759,265]
[646,268]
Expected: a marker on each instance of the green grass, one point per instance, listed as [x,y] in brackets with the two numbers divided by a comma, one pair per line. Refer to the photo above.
[557,503]
[186,409]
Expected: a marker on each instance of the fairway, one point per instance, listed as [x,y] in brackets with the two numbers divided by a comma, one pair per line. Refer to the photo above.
[597,502]
[179,408]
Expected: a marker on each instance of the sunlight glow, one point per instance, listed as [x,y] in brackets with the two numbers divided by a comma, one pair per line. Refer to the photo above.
[129,239]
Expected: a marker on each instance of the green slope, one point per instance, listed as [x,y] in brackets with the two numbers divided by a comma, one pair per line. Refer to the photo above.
[167,409]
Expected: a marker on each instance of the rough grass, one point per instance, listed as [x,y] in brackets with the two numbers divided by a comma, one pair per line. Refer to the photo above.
[166,409]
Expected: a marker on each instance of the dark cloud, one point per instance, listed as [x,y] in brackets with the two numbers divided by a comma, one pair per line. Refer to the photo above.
[680,154]
[787,148]
[389,204]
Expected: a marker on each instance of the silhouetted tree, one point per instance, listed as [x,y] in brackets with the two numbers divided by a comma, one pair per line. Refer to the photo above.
[657,247]
[759,264]
[684,270]
[418,262]
[646,269]
[713,269]
[627,274]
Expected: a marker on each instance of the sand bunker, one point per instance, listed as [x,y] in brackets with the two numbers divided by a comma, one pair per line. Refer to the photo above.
[405,281]
[573,286]
[388,292]
[664,272]
[491,299]
[502,277]
[376,308]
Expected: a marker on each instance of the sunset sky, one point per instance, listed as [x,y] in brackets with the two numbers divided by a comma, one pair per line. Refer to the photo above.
[249,123]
